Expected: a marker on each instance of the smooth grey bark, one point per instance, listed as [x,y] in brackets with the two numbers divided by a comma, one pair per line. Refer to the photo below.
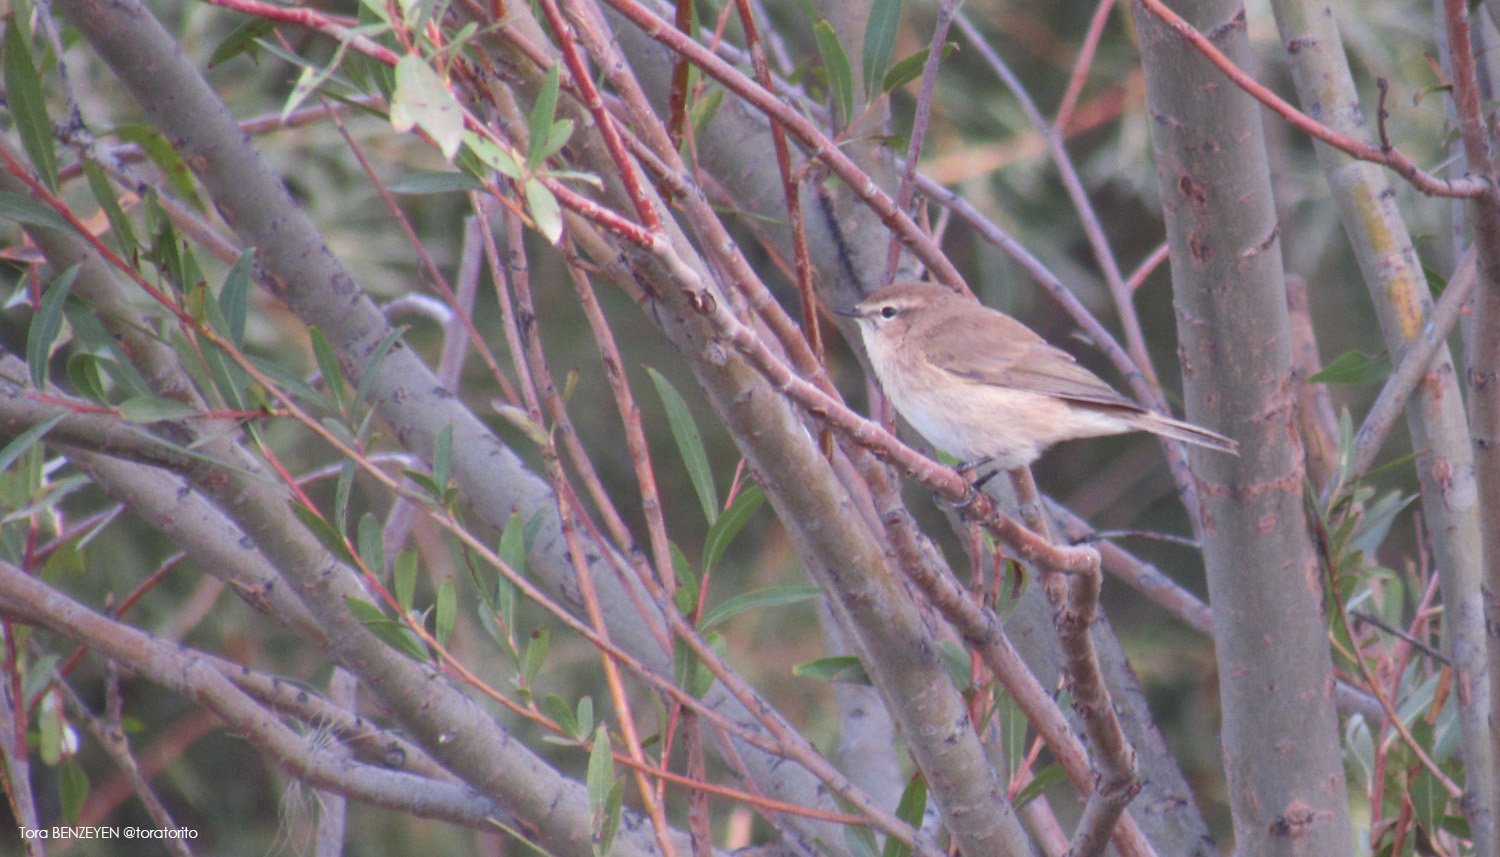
[1280,733]
[1435,414]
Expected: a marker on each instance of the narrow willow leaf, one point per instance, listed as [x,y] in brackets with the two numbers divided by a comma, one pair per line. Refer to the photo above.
[387,630]
[343,489]
[46,324]
[689,444]
[492,156]
[910,69]
[729,524]
[173,167]
[423,100]
[426,182]
[772,596]
[544,210]
[911,809]
[84,375]
[1045,779]
[72,791]
[442,459]
[328,364]
[861,841]
[836,64]
[25,439]
[404,582]
[371,367]
[446,612]
[26,210]
[686,596]
[844,668]
[1353,367]
[536,654]
[234,298]
[324,531]
[557,709]
[543,112]
[880,38]
[154,409]
[28,107]
[562,131]
[241,39]
[109,203]
[584,718]
[371,543]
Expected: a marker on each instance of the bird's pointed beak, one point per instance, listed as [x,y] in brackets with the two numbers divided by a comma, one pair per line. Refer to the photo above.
[850,312]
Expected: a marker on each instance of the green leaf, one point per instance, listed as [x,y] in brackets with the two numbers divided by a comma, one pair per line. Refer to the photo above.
[584,718]
[24,209]
[729,524]
[771,596]
[423,100]
[601,770]
[404,579]
[84,375]
[343,489]
[544,211]
[686,596]
[562,131]
[174,168]
[154,409]
[371,367]
[428,181]
[605,793]
[911,809]
[104,194]
[956,661]
[25,439]
[512,549]
[500,160]
[836,64]
[861,841]
[1045,779]
[910,69]
[539,128]
[234,298]
[311,78]
[324,531]
[689,444]
[72,790]
[536,654]
[442,459]
[844,668]
[1353,367]
[447,611]
[241,40]
[880,37]
[389,631]
[557,709]
[328,365]
[28,107]
[371,543]
[46,324]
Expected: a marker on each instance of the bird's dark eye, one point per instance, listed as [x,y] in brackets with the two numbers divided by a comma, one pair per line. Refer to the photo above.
[887,312]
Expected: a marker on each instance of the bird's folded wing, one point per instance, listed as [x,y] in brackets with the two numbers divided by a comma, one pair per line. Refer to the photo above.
[1018,359]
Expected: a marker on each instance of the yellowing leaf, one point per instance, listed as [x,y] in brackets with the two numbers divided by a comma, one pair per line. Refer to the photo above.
[422,100]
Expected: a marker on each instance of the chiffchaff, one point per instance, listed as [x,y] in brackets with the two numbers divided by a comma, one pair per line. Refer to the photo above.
[982,386]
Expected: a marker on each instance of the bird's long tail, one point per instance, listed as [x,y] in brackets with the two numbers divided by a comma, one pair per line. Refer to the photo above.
[1185,432]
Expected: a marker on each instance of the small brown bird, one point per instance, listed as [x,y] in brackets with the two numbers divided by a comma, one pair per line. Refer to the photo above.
[982,386]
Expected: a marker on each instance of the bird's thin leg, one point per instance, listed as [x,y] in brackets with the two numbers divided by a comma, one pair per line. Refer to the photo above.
[973,467]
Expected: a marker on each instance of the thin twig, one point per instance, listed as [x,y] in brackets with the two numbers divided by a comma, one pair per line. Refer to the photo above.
[1404,166]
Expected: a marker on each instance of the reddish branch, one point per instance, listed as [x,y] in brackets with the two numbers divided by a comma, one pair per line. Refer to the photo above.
[1393,158]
